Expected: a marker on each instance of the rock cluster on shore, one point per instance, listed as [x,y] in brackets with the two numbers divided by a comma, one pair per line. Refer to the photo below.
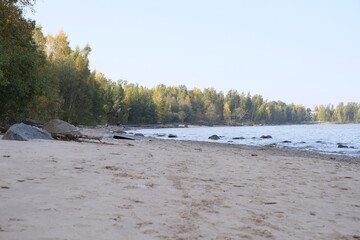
[55,128]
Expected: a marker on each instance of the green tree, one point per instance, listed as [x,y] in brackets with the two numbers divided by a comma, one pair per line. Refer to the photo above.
[339,113]
[58,47]
[350,111]
[256,101]
[211,114]
[47,103]
[162,107]
[358,116]
[325,113]
[227,113]
[20,60]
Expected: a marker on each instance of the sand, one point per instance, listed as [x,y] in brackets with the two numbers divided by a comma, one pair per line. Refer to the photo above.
[155,189]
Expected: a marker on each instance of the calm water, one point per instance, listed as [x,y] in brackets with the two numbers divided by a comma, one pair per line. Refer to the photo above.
[319,138]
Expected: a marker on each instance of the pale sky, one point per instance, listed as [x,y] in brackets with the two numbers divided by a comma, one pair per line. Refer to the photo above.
[297,51]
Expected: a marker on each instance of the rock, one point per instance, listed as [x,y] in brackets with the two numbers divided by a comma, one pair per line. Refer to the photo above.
[4,126]
[266,136]
[119,131]
[23,132]
[286,141]
[62,129]
[271,145]
[214,137]
[160,134]
[172,136]
[340,145]
[238,138]
[139,135]
[32,122]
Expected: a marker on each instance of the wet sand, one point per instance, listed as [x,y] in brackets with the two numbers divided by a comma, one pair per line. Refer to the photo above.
[154,189]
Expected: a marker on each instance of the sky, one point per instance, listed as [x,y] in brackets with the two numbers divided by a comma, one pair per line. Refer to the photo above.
[301,51]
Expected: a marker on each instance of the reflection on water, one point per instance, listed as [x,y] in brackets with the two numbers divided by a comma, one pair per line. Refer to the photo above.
[320,138]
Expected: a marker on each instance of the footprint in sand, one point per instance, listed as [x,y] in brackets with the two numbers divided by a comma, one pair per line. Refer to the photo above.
[117,218]
[112,168]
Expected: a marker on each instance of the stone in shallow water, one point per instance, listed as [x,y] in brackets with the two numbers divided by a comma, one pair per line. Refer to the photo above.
[238,138]
[214,137]
[266,136]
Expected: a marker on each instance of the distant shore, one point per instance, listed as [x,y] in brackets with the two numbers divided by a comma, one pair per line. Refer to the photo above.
[189,125]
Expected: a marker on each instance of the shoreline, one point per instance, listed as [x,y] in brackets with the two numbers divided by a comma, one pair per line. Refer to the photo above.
[278,138]
[185,125]
[160,189]
[285,151]
[189,125]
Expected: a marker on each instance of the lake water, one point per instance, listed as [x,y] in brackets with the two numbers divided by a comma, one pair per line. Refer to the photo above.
[319,138]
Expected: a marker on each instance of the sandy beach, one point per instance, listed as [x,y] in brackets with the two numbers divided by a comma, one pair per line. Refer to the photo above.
[154,189]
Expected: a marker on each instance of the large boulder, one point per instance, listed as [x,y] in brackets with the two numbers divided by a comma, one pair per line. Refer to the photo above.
[24,132]
[60,128]
[214,137]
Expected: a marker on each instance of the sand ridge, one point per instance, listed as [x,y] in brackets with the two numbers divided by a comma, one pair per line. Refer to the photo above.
[154,189]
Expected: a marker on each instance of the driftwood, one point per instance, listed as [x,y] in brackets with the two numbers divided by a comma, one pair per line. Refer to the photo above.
[124,137]
[70,137]
[86,138]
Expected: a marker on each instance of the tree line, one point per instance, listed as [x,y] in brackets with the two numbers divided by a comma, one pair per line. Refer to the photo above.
[342,113]
[42,77]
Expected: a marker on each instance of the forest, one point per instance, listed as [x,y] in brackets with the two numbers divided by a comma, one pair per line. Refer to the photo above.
[42,77]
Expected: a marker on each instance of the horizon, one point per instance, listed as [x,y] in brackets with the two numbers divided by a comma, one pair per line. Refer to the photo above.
[270,49]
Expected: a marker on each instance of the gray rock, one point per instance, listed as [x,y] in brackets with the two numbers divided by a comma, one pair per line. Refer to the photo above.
[271,145]
[23,132]
[160,134]
[172,136]
[238,138]
[32,122]
[340,145]
[4,126]
[60,127]
[214,137]
[266,136]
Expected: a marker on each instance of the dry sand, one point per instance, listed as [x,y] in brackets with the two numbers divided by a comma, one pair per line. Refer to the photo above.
[155,189]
